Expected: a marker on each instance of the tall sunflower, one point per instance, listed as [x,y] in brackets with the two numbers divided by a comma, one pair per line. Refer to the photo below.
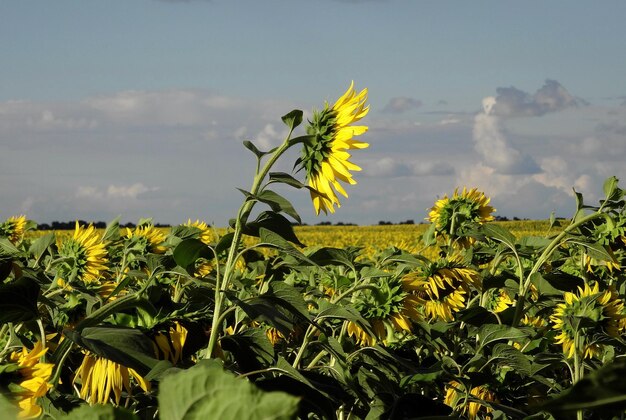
[99,377]
[443,287]
[584,315]
[86,253]
[324,154]
[33,382]
[13,228]
[390,308]
[451,214]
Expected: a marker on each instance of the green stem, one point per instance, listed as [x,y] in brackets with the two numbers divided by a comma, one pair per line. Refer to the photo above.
[242,218]
[305,342]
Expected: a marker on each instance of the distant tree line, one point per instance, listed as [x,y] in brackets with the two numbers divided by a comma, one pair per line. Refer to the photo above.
[98,225]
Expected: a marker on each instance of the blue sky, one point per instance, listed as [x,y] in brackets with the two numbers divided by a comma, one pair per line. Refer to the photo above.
[138,107]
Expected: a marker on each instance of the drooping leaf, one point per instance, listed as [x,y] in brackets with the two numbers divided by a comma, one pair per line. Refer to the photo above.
[250,146]
[274,222]
[251,349]
[41,244]
[112,231]
[18,300]
[285,178]
[278,203]
[206,391]
[126,346]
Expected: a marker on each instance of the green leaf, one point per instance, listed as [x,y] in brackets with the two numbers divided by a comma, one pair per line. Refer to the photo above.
[126,346]
[206,391]
[100,412]
[189,250]
[251,348]
[604,389]
[278,203]
[250,146]
[271,239]
[8,250]
[610,188]
[507,356]
[285,178]
[332,256]
[490,333]
[275,223]
[18,300]
[500,234]
[292,119]
[41,244]
[429,237]
[556,282]
[7,409]
[112,232]
[224,243]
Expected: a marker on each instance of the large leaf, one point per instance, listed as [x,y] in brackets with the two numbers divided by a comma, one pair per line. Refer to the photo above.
[126,346]
[490,333]
[18,300]
[100,412]
[41,244]
[189,250]
[206,391]
[601,391]
[332,256]
[252,349]
[274,222]
[278,203]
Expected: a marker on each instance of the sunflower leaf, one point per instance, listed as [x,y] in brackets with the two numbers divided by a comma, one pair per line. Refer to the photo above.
[285,178]
[100,412]
[293,118]
[250,146]
[18,300]
[207,391]
[189,250]
[278,203]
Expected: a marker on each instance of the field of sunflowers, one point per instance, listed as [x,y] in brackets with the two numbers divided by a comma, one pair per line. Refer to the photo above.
[462,317]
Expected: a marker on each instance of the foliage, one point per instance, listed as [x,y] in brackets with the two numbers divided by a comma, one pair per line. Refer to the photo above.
[464,318]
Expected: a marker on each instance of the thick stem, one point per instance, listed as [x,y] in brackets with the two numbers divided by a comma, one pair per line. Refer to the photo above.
[242,218]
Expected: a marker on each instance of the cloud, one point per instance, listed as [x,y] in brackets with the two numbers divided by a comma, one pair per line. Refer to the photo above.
[401,104]
[114,192]
[551,97]
[492,146]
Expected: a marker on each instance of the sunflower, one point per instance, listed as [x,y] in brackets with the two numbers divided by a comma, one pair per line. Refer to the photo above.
[457,398]
[13,228]
[583,315]
[390,308]
[205,233]
[324,156]
[498,300]
[152,236]
[34,376]
[99,377]
[86,253]
[443,287]
[451,215]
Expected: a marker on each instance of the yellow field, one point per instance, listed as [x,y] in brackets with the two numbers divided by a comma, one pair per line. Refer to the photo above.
[376,238]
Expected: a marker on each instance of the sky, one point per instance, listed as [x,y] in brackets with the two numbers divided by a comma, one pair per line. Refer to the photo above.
[138,108]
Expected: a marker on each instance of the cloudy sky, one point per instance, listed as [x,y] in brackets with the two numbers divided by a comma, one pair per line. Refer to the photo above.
[138,108]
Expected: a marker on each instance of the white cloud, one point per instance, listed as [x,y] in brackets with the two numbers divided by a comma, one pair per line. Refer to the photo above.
[114,192]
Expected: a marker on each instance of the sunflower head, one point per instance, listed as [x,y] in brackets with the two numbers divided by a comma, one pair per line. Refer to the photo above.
[99,378]
[13,228]
[149,236]
[86,255]
[498,300]
[324,154]
[443,287]
[32,381]
[205,233]
[464,402]
[452,214]
[390,307]
[170,344]
[584,315]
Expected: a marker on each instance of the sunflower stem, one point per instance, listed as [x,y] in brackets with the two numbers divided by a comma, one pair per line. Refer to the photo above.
[242,218]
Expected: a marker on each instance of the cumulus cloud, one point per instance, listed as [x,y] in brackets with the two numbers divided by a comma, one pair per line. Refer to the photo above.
[393,167]
[491,144]
[551,97]
[401,104]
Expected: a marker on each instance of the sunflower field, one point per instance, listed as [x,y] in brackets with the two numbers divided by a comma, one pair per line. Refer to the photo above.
[461,318]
